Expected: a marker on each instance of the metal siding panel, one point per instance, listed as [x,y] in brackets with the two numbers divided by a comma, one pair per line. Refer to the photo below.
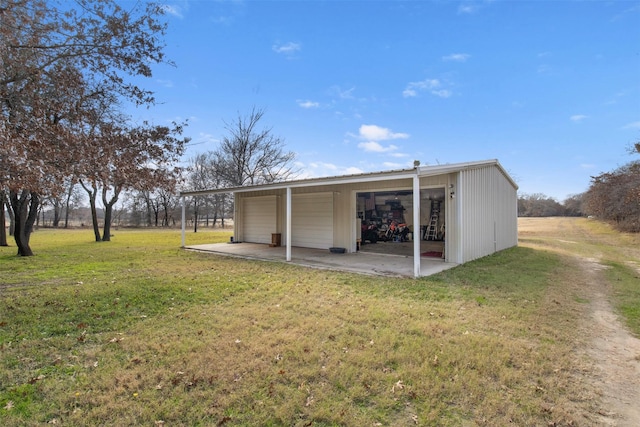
[344,214]
[258,219]
[312,220]
[489,217]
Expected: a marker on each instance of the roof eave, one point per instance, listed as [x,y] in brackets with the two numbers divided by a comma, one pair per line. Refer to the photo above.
[421,171]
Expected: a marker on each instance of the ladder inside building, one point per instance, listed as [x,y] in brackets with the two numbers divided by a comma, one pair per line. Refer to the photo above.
[432,228]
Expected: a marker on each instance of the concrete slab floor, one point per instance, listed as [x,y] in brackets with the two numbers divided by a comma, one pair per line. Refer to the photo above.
[359,262]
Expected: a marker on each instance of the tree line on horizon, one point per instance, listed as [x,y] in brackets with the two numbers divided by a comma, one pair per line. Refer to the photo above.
[612,196]
[160,207]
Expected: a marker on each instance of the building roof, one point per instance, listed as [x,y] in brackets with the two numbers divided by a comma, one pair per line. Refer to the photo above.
[356,178]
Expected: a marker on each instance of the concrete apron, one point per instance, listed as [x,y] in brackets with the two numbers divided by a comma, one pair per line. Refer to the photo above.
[359,262]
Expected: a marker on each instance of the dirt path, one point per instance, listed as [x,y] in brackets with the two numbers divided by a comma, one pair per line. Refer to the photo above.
[614,351]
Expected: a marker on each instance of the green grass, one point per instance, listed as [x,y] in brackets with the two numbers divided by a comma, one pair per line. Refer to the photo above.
[138,332]
[626,285]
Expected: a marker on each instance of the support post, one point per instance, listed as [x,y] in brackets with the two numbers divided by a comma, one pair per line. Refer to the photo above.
[288,223]
[182,223]
[416,225]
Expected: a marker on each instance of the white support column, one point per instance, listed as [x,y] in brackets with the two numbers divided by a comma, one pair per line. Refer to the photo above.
[236,214]
[183,219]
[353,206]
[288,223]
[416,225]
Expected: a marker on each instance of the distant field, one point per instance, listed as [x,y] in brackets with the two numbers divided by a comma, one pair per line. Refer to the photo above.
[139,332]
[590,239]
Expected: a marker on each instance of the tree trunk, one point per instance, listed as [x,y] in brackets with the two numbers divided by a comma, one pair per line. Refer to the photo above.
[147,200]
[25,211]
[108,212]
[3,229]
[56,213]
[93,192]
[94,217]
[106,230]
[12,218]
[165,216]
[156,211]
[66,206]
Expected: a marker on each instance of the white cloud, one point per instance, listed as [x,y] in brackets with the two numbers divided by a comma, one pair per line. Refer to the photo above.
[632,125]
[377,133]
[287,48]
[442,93]
[375,147]
[352,170]
[204,139]
[473,6]
[342,93]
[223,20]
[409,93]
[323,165]
[308,104]
[456,57]
[433,86]
[631,10]
[390,165]
[587,166]
[467,8]
[165,83]
[577,118]
[173,10]
[544,69]
[319,169]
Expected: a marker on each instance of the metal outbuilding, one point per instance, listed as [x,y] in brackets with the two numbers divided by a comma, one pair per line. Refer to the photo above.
[476,201]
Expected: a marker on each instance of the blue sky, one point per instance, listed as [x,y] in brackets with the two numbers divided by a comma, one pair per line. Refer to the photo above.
[549,88]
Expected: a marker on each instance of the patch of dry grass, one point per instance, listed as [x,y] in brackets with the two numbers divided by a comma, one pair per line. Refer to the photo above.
[138,332]
[618,252]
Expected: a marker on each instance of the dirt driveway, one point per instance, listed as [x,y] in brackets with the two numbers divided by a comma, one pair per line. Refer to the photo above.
[611,351]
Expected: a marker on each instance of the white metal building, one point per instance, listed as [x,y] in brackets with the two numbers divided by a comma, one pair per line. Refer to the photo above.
[475,201]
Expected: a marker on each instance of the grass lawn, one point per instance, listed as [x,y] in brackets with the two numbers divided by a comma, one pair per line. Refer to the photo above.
[139,332]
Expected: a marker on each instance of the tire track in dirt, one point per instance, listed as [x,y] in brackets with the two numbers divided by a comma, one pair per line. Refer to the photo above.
[614,352]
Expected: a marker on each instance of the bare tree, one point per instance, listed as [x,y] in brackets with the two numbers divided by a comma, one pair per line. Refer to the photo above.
[168,202]
[200,173]
[119,158]
[72,199]
[538,205]
[51,59]
[92,190]
[615,197]
[573,205]
[3,225]
[250,156]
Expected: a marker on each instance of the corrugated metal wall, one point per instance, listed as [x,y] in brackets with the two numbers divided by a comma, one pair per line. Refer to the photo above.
[312,220]
[481,218]
[486,212]
[259,219]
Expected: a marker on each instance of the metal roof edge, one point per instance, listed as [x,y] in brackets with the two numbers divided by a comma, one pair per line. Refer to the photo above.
[457,167]
[310,182]
[427,170]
